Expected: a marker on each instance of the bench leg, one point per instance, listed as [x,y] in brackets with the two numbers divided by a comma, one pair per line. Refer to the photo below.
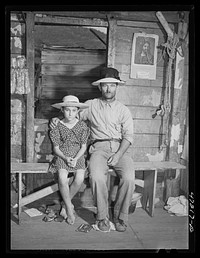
[150,180]
[178,171]
[19,196]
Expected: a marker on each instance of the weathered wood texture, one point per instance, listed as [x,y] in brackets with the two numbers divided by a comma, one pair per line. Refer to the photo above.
[68,72]
[17,119]
[17,38]
[143,96]
[133,15]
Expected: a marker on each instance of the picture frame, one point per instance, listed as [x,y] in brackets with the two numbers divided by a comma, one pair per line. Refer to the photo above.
[144,56]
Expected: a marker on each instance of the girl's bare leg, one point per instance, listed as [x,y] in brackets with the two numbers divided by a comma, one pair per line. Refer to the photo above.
[73,189]
[63,183]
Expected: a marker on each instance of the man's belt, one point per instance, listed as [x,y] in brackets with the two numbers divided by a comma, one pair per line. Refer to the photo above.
[106,140]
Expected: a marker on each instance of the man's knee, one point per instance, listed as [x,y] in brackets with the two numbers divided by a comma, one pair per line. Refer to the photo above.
[128,175]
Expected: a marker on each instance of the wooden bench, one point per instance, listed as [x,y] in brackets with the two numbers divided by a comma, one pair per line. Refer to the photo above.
[148,184]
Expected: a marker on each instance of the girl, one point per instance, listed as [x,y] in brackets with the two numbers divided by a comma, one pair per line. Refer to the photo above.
[69,140]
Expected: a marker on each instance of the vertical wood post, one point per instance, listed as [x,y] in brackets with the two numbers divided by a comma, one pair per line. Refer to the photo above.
[112,26]
[30,136]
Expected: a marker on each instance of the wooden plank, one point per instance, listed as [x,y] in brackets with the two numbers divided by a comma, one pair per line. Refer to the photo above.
[86,93]
[148,16]
[71,21]
[41,167]
[29,167]
[39,194]
[69,58]
[147,153]
[111,42]
[148,126]
[125,69]
[132,15]
[30,95]
[146,140]
[74,81]
[142,96]
[65,70]
[140,24]
[48,51]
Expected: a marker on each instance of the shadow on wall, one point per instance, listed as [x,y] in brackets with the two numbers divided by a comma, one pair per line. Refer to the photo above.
[80,86]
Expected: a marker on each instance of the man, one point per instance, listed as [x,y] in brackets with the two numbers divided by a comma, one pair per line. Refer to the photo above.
[111,128]
[145,56]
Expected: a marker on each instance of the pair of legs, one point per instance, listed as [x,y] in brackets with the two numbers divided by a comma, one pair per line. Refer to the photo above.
[98,169]
[67,192]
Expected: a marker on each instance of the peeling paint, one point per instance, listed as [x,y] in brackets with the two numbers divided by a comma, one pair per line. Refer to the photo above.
[153,99]
[180,148]
[17,29]
[49,157]
[17,42]
[175,134]
[39,139]
[159,156]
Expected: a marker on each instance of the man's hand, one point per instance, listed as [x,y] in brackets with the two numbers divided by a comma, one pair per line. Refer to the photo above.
[53,123]
[114,159]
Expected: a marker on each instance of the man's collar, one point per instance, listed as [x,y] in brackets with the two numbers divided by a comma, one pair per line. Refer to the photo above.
[108,102]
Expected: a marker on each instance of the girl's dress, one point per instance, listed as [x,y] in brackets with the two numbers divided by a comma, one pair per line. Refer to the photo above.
[69,142]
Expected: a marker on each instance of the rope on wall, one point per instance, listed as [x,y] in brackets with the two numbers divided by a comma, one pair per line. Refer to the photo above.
[170,48]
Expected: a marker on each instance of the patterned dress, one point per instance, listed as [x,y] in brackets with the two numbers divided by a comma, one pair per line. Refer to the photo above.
[69,142]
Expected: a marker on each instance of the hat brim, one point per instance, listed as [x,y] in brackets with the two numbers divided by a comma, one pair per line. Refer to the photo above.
[108,80]
[69,104]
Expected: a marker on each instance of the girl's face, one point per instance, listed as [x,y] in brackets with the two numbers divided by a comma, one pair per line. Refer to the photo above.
[70,113]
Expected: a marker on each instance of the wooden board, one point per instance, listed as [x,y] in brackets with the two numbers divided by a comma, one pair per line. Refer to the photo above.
[58,82]
[73,57]
[142,96]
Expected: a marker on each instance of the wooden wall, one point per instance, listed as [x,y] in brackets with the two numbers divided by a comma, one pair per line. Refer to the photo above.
[73,71]
[67,72]
[142,96]
[17,48]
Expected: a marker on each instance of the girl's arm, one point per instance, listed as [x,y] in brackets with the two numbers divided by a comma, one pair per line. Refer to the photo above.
[78,155]
[59,153]
[81,151]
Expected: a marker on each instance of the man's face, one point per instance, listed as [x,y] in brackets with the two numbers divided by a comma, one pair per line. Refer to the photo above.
[146,47]
[108,90]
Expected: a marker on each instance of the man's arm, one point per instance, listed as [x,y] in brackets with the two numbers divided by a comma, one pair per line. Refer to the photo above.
[113,160]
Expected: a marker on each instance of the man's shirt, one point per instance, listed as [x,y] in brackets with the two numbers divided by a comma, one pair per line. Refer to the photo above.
[108,120]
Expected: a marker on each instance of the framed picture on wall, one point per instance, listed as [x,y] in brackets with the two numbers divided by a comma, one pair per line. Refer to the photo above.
[144,56]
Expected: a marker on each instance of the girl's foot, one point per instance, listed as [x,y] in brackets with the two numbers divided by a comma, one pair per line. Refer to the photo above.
[70,219]
[63,211]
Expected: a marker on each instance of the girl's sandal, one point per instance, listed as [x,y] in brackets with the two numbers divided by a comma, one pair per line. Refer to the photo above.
[48,218]
[59,219]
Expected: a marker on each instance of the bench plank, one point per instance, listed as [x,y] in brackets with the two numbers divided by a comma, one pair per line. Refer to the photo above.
[147,165]
[29,167]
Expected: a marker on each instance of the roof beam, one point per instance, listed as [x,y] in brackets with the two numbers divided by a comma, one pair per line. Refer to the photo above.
[40,19]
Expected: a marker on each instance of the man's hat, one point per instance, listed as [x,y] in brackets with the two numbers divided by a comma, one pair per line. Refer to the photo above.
[109,74]
[70,101]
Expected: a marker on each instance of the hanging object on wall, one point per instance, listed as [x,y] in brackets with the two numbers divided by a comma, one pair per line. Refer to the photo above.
[144,56]
[19,76]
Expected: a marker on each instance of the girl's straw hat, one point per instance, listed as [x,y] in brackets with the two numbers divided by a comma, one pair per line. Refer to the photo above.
[70,101]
